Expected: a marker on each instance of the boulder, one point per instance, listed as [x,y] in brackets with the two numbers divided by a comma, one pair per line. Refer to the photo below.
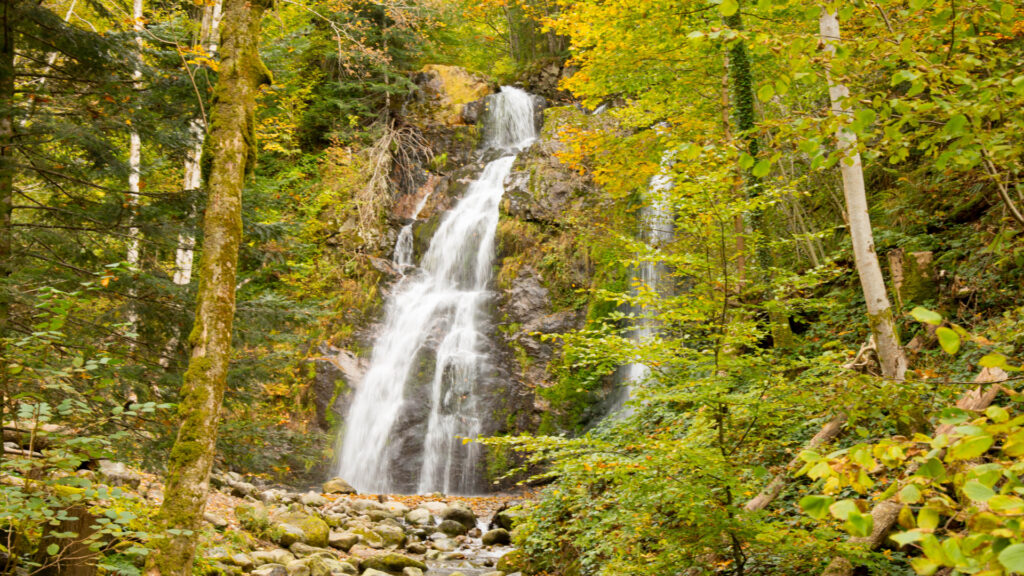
[285,534]
[474,533]
[434,507]
[497,537]
[452,528]
[278,556]
[392,536]
[294,526]
[450,89]
[392,562]
[243,561]
[508,518]
[338,486]
[118,474]
[378,515]
[342,540]
[460,513]
[410,571]
[305,550]
[362,505]
[372,572]
[419,517]
[417,548]
[396,507]
[319,565]
[270,570]
[368,536]
[443,545]
[217,554]
[215,520]
[313,499]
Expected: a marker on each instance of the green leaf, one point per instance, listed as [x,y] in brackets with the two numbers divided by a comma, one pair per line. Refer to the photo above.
[1003,503]
[52,550]
[910,494]
[908,537]
[815,506]
[927,316]
[843,509]
[761,169]
[997,414]
[948,339]
[928,518]
[992,361]
[932,469]
[977,491]
[765,92]
[1012,558]
[859,524]
[746,161]
[971,447]
[955,125]
[728,7]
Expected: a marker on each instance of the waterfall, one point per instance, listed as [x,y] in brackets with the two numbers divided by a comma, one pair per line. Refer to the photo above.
[656,230]
[435,318]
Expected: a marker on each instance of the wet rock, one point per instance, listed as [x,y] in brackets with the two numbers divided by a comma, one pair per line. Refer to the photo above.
[453,556]
[474,533]
[363,505]
[278,556]
[270,570]
[243,561]
[507,518]
[334,520]
[396,508]
[372,572]
[342,540]
[368,537]
[460,512]
[410,571]
[336,372]
[449,89]
[417,548]
[392,536]
[392,562]
[378,515]
[497,537]
[443,545]
[495,573]
[434,507]
[419,517]
[293,526]
[320,565]
[452,528]
[338,485]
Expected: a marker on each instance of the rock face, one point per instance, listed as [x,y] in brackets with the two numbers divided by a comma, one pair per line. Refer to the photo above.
[448,89]
[337,373]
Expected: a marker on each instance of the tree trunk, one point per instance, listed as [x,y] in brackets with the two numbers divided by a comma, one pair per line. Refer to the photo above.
[184,255]
[232,149]
[7,20]
[883,326]
[134,177]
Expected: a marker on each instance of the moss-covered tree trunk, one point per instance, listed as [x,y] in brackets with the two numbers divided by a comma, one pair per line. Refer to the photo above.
[883,326]
[7,19]
[231,149]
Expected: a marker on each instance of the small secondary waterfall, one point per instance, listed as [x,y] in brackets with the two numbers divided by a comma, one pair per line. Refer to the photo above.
[656,230]
[432,330]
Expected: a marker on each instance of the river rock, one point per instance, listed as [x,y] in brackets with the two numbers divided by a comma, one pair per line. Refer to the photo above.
[270,570]
[118,474]
[243,561]
[217,554]
[417,548]
[372,572]
[278,556]
[434,507]
[338,486]
[508,518]
[368,536]
[392,536]
[443,545]
[460,513]
[495,573]
[342,540]
[497,537]
[392,562]
[363,505]
[292,526]
[396,508]
[419,517]
[452,528]
[410,571]
[378,515]
[474,533]
[313,499]
[215,520]
[305,550]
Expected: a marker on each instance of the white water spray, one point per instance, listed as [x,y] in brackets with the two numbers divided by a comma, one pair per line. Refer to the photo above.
[436,313]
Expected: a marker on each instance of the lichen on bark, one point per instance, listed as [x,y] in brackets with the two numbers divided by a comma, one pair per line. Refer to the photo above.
[231,152]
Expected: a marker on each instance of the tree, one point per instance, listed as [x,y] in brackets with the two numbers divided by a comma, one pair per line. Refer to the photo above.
[231,148]
[883,326]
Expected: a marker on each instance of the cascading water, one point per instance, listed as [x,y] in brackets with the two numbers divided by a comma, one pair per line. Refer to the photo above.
[656,230]
[435,319]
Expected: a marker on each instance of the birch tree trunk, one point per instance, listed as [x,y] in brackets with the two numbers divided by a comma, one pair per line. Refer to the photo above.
[232,149]
[185,253]
[134,175]
[883,327]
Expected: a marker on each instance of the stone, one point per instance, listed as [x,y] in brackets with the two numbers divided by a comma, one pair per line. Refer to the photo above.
[392,562]
[243,489]
[215,520]
[368,537]
[434,507]
[392,536]
[346,568]
[278,556]
[378,515]
[508,518]
[443,545]
[417,548]
[271,496]
[432,554]
[270,570]
[218,569]
[313,499]
[302,550]
[252,516]
[460,513]
[285,534]
[419,517]
[338,485]
[495,573]
[452,528]
[372,572]
[243,561]
[450,88]
[497,537]
[217,554]
[453,556]
[342,540]
[362,505]
[298,568]
[410,571]
[474,533]
[335,520]
[118,474]
[294,526]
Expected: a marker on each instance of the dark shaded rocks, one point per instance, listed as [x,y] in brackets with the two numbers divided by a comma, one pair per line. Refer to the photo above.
[497,537]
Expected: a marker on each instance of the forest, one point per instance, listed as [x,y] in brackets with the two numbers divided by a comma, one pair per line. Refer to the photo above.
[511,287]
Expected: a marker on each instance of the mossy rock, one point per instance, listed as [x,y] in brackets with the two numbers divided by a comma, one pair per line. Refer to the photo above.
[253,517]
[392,562]
[513,561]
